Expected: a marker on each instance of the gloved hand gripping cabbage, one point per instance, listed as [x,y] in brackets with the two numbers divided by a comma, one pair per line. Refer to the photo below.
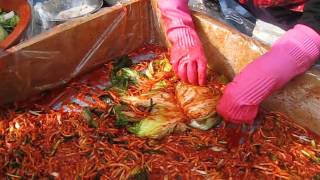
[153,103]
[293,54]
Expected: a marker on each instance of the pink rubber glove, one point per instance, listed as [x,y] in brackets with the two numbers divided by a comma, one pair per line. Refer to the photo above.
[291,55]
[187,55]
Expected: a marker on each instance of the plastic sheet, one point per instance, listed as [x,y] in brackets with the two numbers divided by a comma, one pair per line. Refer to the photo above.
[234,15]
[211,8]
[238,17]
[47,13]
[266,32]
[227,11]
[55,57]
[115,2]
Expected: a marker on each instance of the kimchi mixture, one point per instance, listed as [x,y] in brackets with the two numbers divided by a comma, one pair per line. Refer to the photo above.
[134,119]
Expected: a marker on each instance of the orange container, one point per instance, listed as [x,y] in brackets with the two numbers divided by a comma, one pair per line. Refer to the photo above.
[23,10]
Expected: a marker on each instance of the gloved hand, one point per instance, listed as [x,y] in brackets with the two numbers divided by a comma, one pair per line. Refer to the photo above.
[291,55]
[187,55]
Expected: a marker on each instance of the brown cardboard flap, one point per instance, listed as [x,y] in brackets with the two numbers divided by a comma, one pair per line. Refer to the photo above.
[54,58]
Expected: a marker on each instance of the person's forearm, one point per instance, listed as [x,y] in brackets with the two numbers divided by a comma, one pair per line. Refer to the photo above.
[186,54]
[173,10]
[293,54]
[311,15]
[178,20]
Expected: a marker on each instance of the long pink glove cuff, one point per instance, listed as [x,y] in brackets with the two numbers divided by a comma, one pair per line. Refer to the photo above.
[290,56]
[187,54]
[178,21]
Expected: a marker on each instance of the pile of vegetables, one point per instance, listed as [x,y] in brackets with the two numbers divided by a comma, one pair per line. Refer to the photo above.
[153,103]
[92,129]
[8,21]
